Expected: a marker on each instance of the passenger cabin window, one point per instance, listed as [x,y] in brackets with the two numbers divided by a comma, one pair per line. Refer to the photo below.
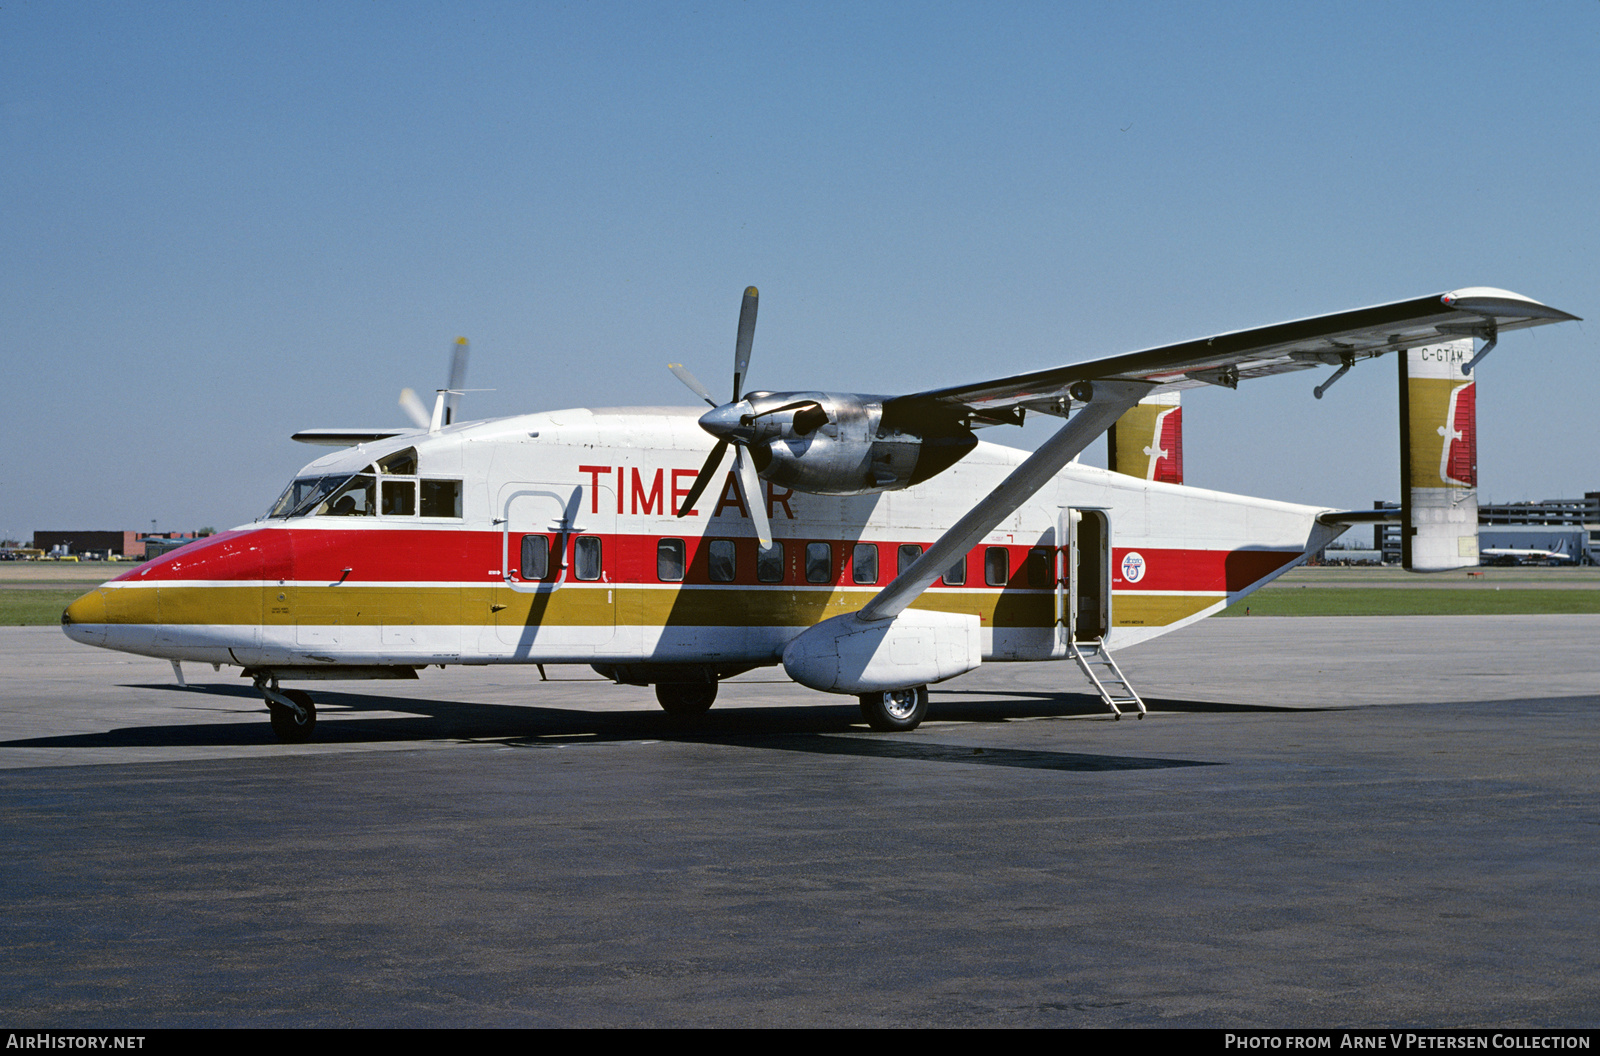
[996,566]
[956,574]
[1041,574]
[769,564]
[864,563]
[669,560]
[586,557]
[819,563]
[720,561]
[905,556]
[535,557]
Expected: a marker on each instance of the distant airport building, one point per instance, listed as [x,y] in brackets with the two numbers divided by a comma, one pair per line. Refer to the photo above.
[120,544]
[1567,526]
[132,546]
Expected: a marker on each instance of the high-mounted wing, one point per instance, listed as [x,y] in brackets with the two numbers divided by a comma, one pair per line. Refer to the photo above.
[1328,340]
[345,437]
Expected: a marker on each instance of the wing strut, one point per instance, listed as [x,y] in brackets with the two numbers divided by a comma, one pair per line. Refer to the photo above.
[1107,403]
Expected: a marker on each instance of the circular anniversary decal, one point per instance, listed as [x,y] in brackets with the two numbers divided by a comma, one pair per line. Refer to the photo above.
[1133,566]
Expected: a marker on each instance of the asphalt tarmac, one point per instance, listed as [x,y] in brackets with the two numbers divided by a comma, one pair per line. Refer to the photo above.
[1324,822]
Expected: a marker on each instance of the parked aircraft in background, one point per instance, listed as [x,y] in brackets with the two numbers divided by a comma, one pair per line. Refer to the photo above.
[1513,555]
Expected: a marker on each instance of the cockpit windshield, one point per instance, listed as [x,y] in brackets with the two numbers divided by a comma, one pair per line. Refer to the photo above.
[344,495]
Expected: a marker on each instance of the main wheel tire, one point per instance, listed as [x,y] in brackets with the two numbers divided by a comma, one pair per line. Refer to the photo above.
[895,709]
[686,699]
[292,728]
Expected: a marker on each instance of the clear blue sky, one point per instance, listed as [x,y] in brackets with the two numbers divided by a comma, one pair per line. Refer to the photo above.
[224,222]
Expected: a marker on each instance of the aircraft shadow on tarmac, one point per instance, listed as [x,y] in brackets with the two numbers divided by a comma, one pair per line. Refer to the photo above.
[812,728]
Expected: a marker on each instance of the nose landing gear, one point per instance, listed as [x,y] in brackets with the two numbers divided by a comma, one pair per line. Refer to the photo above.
[293,712]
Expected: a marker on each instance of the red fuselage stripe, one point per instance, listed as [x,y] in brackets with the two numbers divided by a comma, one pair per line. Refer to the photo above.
[461,556]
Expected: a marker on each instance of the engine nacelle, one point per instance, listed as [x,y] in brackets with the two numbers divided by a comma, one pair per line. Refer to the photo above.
[826,443]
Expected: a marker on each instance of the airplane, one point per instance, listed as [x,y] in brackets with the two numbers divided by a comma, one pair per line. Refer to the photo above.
[1518,555]
[870,545]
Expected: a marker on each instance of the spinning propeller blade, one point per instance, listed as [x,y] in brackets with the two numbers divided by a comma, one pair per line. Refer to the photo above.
[458,379]
[683,375]
[415,409]
[419,413]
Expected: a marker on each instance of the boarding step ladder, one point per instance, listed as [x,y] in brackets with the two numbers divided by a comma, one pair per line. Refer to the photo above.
[1107,677]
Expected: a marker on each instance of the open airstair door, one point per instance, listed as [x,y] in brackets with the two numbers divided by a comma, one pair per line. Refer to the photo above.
[1083,603]
[1083,575]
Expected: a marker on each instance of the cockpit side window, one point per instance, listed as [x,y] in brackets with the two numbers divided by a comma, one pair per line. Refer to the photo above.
[389,487]
[441,498]
[400,464]
[357,498]
[399,498]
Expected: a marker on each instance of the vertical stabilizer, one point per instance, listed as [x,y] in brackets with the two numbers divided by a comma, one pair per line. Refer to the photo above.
[1438,459]
[1147,442]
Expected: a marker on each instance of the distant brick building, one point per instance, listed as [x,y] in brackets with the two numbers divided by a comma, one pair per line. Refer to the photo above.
[123,544]
[132,545]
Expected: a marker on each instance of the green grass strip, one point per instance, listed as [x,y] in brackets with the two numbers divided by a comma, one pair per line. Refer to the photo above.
[1397,601]
[36,608]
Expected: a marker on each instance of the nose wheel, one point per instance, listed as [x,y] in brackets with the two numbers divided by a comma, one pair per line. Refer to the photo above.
[293,712]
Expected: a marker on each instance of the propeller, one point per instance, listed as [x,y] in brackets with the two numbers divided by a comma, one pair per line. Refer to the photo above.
[418,411]
[730,423]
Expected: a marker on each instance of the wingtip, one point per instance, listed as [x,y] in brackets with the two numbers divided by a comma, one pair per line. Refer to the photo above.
[1487,300]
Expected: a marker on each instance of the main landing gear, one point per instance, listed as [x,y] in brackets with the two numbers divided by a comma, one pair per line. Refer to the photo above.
[685,700]
[895,710]
[294,713]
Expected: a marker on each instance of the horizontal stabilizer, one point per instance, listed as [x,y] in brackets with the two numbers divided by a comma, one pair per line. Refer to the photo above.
[1352,517]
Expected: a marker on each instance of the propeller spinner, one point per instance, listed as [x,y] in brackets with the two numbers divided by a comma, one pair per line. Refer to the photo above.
[732,423]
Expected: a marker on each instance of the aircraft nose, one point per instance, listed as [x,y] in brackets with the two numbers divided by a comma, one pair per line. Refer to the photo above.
[114,617]
[85,619]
